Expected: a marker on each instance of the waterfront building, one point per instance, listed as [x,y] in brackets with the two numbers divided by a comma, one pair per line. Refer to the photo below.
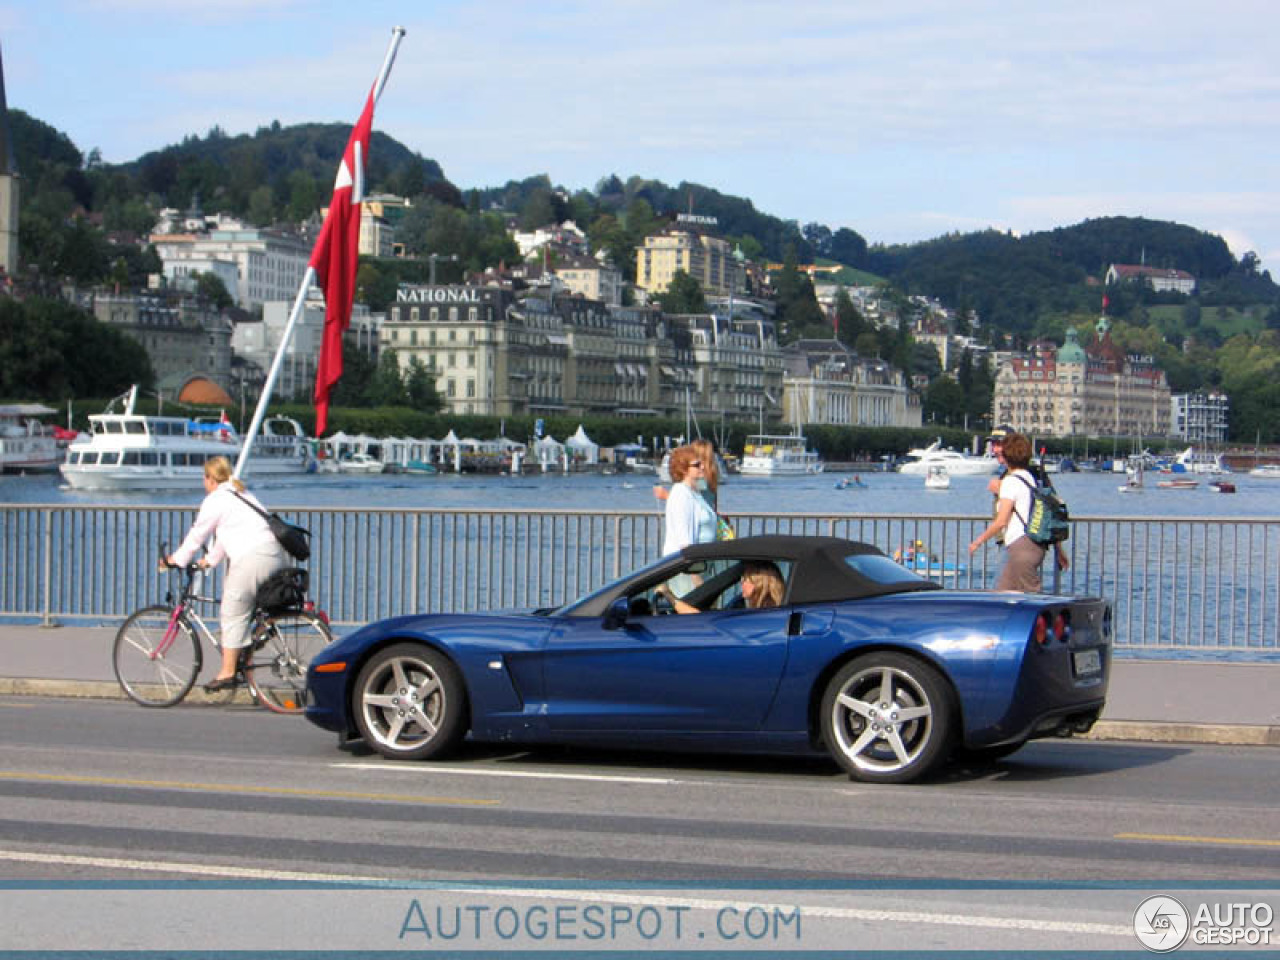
[1160,279]
[549,354]
[826,382]
[706,258]
[183,335]
[1098,391]
[463,335]
[268,264]
[735,364]
[1200,417]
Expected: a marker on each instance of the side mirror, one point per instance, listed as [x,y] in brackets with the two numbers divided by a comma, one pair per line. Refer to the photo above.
[615,618]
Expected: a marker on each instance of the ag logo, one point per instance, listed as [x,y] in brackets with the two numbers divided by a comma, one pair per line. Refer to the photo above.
[1161,923]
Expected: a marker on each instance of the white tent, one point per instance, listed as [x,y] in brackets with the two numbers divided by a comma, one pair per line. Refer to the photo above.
[581,447]
[548,451]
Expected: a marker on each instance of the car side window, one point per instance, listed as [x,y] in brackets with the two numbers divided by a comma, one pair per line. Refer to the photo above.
[707,585]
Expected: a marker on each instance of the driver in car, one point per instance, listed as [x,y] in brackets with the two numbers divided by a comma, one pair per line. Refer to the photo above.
[761,585]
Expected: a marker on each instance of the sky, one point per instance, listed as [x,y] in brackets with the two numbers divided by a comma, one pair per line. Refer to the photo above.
[903,121]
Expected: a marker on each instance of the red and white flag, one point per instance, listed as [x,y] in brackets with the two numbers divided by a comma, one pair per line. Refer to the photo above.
[335,257]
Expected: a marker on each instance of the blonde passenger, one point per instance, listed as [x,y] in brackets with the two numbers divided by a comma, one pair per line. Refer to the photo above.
[762,585]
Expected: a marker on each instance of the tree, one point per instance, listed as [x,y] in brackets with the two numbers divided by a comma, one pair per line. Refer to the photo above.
[420,386]
[53,350]
[849,322]
[352,390]
[683,295]
[943,402]
[210,286]
[386,389]
[262,206]
[819,237]
[868,345]
[798,310]
[304,195]
[848,247]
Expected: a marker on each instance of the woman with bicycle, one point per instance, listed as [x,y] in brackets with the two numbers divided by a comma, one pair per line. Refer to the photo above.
[241,535]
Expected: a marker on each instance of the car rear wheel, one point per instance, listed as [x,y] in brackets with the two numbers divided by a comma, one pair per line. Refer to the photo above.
[887,718]
[409,703]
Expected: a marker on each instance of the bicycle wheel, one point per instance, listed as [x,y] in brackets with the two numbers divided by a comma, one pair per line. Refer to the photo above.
[156,658]
[282,652]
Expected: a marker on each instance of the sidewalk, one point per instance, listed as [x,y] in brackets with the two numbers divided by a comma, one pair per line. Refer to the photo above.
[1153,700]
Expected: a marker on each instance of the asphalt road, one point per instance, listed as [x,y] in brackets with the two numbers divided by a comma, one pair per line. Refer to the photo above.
[107,791]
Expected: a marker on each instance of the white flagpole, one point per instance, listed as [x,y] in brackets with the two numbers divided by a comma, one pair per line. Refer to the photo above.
[259,414]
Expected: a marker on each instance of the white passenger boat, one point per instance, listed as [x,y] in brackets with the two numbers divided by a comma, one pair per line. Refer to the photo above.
[129,451]
[778,456]
[937,478]
[1191,460]
[1269,471]
[26,444]
[957,464]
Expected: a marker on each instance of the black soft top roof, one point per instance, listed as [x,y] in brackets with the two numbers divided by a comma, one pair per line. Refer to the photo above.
[820,573]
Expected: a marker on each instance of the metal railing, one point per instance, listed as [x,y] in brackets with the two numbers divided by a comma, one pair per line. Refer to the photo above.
[1200,583]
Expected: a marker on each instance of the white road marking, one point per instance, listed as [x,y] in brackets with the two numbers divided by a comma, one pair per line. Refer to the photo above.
[582,896]
[488,772]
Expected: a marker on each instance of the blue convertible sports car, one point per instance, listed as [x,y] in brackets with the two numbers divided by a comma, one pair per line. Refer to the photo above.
[885,671]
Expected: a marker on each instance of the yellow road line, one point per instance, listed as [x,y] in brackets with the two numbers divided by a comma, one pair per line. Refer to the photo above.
[240,788]
[1180,838]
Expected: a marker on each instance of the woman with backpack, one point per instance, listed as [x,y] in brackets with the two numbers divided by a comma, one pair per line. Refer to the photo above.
[1023,558]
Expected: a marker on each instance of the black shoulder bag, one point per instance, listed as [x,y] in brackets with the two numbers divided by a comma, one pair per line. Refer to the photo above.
[293,538]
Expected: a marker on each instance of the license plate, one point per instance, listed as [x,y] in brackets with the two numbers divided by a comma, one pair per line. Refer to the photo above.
[1087,661]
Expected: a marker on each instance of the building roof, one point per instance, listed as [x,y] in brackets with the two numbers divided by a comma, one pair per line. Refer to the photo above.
[202,390]
[1130,271]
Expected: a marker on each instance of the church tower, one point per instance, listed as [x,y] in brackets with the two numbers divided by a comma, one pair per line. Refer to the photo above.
[8,188]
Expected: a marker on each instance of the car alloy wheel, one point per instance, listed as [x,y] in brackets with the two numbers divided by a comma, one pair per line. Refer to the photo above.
[409,703]
[887,718]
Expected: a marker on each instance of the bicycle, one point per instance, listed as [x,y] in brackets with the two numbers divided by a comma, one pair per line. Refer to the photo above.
[158,654]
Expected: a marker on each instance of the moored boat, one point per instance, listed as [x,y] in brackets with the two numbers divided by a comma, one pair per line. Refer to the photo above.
[957,464]
[360,463]
[768,455]
[26,444]
[130,451]
[1270,471]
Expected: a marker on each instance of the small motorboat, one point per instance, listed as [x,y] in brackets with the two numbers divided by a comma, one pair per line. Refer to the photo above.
[937,477]
[1222,486]
[1178,484]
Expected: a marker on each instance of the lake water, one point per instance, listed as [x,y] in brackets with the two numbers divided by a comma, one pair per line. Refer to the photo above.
[889,494]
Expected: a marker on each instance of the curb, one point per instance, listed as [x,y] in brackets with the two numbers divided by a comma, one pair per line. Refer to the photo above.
[1226,734]
[104,690]
[1222,734]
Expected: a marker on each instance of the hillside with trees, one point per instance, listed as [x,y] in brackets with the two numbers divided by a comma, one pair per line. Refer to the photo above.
[86,221]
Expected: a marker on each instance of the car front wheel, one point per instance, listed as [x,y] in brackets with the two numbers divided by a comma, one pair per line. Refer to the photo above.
[409,703]
[887,718]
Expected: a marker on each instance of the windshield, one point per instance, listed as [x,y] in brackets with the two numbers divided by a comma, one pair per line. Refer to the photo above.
[881,569]
[568,610]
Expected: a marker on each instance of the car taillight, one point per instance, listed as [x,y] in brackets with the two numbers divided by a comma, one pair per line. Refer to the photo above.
[1062,625]
[1040,633]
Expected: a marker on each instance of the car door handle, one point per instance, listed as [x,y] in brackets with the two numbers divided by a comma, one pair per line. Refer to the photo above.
[810,623]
